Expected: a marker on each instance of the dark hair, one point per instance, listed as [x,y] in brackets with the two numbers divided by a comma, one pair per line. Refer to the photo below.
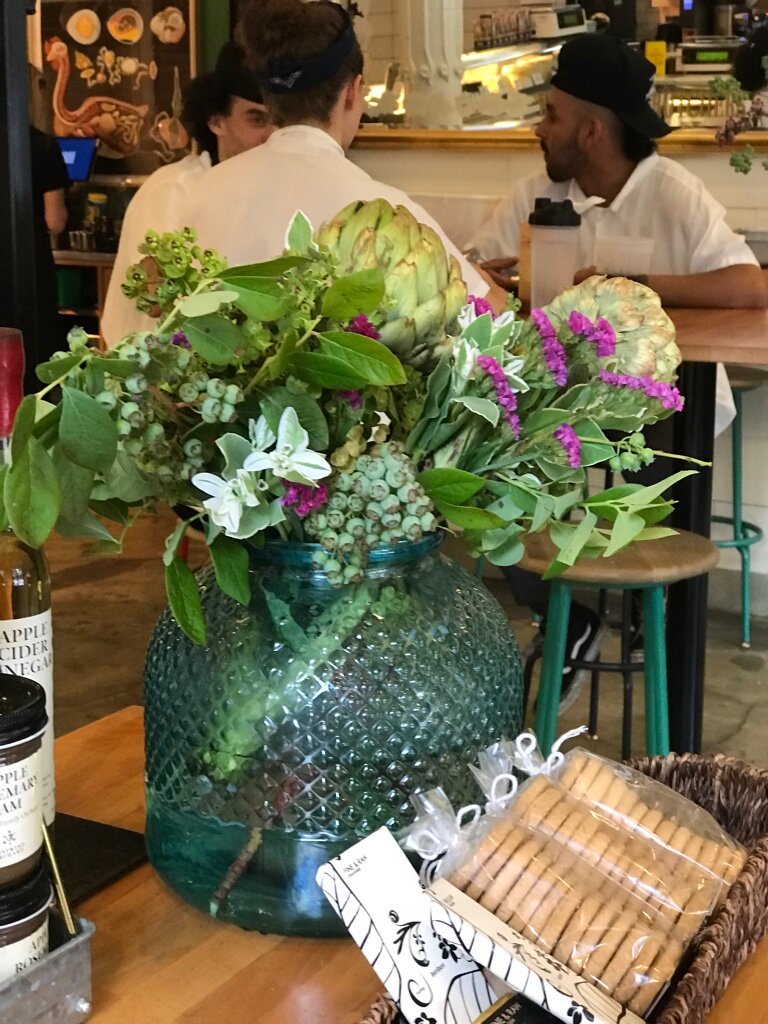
[634,145]
[274,31]
[203,98]
[748,67]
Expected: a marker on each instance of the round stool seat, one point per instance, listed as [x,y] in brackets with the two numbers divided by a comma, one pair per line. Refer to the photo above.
[746,377]
[666,560]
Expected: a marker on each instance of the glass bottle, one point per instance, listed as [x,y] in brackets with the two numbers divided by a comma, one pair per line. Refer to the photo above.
[26,641]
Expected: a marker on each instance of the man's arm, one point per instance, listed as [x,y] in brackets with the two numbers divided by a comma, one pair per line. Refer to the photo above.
[55,210]
[742,286]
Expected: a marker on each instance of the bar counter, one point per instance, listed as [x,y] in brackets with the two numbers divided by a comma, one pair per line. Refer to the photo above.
[157,961]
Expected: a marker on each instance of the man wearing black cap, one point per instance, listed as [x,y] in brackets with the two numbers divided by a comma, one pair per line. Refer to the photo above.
[598,138]
[224,114]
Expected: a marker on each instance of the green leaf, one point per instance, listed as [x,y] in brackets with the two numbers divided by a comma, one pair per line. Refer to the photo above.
[547,418]
[87,432]
[545,510]
[115,511]
[324,371]
[23,426]
[75,483]
[3,513]
[87,526]
[509,552]
[361,292]
[205,303]
[468,517]
[120,368]
[299,237]
[172,543]
[277,399]
[481,407]
[365,356]
[656,533]
[247,275]
[480,331]
[124,482]
[646,495]
[577,538]
[32,494]
[184,599]
[54,369]
[264,304]
[214,337]
[453,486]
[230,563]
[626,528]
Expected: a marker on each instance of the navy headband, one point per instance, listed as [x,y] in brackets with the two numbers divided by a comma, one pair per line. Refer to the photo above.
[290,76]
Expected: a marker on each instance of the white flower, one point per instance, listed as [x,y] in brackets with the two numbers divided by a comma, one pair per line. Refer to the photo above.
[292,458]
[238,505]
[225,507]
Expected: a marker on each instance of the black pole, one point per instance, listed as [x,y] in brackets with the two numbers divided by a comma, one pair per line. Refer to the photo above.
[18,299]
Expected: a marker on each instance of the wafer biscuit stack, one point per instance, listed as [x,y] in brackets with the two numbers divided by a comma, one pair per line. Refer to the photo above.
[586,867]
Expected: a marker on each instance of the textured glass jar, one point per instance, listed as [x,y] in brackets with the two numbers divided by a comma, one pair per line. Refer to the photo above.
[312,716]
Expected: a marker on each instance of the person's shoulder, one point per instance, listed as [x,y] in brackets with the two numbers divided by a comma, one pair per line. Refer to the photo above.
[671,174]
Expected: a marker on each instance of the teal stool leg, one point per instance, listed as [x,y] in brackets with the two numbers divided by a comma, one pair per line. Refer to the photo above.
[656,701]
[746,639]
[553,659]
[737,493]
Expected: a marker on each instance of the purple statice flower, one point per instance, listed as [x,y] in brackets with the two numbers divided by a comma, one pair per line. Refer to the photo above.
[600,333]
[353,398]
[179,338]
[566,435]
[505,396]
[481,305]
[362,325]
[554,353]
[665,393]
[303,499]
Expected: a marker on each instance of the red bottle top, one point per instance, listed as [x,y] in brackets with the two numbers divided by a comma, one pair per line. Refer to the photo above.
[11,377]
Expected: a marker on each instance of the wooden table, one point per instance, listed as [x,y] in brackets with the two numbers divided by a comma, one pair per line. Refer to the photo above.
[705,337]
[157,961]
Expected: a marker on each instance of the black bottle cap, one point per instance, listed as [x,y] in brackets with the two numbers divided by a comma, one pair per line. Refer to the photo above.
[26,899]
[22,708]
[554,215]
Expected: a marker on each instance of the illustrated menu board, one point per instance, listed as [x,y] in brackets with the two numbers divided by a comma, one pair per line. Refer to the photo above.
[117,73]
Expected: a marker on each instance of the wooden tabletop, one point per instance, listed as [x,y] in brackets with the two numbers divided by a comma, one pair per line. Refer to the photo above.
[722,335]
[157,961]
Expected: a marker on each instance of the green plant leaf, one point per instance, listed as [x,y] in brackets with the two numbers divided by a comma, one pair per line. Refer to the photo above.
[205,303]
[509,552]
[647,495]
[357,293]
[115,511]
[468,517]
[87,432]
[626,528]
[453,486]
[276,399]
[172,543]
[230,563]
[124,482]
[481,407]
[265,303]
[371,360]
[184,599]
[324,371]
[247,275]
[32,495]
[23,426]
[75,483]
[299,237]
[214,337]
[571,540]
[87,526]
[120,368]
[547,418]
[53,369]
[3,514]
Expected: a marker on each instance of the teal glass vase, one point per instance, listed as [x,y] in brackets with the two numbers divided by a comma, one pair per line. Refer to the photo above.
[308,720]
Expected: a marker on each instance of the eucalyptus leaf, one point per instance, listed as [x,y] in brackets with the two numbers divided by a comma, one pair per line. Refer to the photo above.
[452,486]
[184,599]
[230,564]
[371,360]
[215,338]
[205,303]
[32,494]
[87,432]
[468,517]
[361,292]
[55,369]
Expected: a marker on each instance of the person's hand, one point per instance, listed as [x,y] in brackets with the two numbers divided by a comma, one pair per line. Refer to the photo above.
[582,275]
[498,270]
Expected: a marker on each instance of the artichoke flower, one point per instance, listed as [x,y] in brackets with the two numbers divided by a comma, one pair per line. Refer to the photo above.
[645,336]
[424,289]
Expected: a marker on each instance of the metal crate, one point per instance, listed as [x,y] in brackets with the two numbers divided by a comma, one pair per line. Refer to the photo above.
[57,989]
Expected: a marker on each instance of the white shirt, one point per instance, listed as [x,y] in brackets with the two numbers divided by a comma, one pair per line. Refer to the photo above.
[661,201]
[157,205]
[242,209]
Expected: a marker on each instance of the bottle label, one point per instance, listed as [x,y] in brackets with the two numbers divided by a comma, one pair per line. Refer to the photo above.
[22,954]
[26,649]
[21,833]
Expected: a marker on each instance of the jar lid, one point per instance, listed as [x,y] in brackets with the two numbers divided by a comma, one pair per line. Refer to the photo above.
[26,899]
[22,708]
[554,215]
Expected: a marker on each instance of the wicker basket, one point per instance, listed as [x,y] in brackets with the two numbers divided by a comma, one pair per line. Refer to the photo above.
[736,794]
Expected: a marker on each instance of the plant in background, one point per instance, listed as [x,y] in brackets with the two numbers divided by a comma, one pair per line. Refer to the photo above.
[749,114]
[346,394]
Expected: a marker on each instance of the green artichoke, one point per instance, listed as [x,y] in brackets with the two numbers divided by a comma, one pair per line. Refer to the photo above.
[424,289]
[645,336]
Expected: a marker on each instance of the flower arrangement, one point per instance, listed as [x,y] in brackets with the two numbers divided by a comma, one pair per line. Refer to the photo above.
[749,114]
[348,394]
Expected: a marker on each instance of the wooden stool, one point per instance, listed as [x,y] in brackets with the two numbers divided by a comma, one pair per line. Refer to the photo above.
[647,566]
[743,534]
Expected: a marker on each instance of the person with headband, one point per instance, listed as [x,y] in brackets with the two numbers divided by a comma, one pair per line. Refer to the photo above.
[310,67]
[224,114]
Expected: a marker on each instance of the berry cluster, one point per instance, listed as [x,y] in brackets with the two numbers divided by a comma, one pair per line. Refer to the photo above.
[174,266]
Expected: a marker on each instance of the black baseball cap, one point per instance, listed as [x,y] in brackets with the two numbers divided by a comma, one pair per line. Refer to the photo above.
[603,70]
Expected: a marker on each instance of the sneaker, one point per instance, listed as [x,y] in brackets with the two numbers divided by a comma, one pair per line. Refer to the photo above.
[586,633]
